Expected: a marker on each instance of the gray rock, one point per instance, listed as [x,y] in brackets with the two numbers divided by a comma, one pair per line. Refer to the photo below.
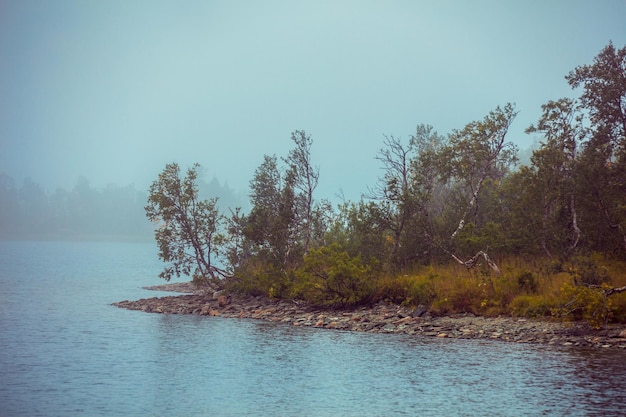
[419,311]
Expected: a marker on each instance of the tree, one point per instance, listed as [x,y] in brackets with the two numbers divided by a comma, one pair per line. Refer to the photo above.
[34,208]
[521,204]
[556,162]
[305,178]
[188,229]
[269,228]
[361,230]
[394,190]
[405,191]
[477,152]
[284,221]
[604,97]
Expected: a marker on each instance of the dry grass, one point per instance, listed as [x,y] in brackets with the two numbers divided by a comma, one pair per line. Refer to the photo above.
[526,287]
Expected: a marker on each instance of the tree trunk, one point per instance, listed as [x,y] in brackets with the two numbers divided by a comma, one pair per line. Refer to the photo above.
[612,291]
[577,231]
[473,261]
[472,204]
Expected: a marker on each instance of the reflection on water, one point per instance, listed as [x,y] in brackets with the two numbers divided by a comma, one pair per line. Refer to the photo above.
[65,351]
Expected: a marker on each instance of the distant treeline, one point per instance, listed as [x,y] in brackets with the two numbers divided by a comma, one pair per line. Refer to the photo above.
[84,212]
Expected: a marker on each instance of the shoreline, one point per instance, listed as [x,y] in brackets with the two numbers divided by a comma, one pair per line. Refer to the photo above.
[379,318]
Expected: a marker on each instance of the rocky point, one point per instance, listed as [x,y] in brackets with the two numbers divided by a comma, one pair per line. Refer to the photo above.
[379,318]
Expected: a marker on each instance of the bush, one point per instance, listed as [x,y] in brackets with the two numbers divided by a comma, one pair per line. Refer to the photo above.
[533,306]
[585,303]
[459,295]
[527,282]
[258,278]
[330,276]
[618,304]
[407,289]
[586,271]
[420,290]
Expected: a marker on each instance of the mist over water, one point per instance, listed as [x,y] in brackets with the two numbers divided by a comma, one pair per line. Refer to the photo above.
[84,212]
[64,350]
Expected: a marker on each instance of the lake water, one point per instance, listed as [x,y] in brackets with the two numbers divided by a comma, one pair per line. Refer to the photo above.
[65,351]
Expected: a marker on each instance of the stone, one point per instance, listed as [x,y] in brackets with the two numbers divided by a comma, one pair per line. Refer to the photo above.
[385,318]
[404,320]
[419,311]
[223,301]
[389,328]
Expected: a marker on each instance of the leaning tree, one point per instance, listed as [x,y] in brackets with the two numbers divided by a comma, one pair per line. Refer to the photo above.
[187,230]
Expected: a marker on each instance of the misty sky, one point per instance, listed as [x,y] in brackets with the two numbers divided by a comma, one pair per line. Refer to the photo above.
[113,90]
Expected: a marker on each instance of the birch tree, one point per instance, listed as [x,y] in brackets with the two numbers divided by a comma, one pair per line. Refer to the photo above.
[410,174]
[473,154]
[305,177]
[561,123]
[604,98]
[187,230]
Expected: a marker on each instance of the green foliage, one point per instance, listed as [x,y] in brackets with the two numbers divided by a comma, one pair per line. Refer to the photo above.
[414,289]
[360,230]
[187,233]
[586,298]
[269,243]
[258,278]
[533,306]
[587,272]
[330,276]
[618,304]
[439,197]
[465,297]
[589,304]
[527,282]
[405,191]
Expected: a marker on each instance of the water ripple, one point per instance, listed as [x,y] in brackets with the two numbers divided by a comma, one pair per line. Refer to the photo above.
[65,351]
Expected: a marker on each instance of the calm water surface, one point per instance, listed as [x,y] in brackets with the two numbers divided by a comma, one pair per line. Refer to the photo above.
[65,351]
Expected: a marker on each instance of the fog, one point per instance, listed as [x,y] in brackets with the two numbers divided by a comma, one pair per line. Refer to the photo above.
[85,212]
[112,91]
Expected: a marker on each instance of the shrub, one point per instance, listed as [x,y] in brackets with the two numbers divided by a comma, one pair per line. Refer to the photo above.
[420,290]
[259,278]
[533,306]
[527,282]
[586,271]
[585,303]
[330,276]
[618,304]
[413,289]
[459,295]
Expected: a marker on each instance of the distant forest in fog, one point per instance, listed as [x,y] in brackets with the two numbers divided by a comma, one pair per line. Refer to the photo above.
[84,212]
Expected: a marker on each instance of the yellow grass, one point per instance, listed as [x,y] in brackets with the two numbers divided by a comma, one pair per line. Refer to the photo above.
[534,287]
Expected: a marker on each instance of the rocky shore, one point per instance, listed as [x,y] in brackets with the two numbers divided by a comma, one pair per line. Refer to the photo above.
[379,318]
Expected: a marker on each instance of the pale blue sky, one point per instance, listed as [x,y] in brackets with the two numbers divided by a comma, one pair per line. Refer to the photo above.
[113,90]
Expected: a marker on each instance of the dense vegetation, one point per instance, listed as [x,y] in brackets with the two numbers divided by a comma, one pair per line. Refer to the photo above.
[453,223]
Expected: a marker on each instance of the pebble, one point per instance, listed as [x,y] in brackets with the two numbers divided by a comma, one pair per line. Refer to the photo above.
[387,318]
